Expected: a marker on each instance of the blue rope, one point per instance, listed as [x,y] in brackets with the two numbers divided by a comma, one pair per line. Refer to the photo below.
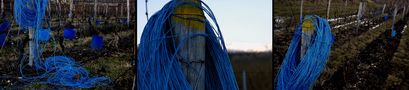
[4,27]
[393,32]
[43,35]
[97,42]
[29,13]
[300,72]
[3,39]
[69,33]
[64,71]
[385,17]
[157,65]
[124,21]
[54,70]
[98,22]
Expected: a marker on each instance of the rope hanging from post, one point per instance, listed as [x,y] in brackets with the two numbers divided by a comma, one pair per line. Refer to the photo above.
[157,65]
[300,72]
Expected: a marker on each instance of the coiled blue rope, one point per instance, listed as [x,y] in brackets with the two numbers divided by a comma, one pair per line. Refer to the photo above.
[64,71]
[157,65]
[300,72]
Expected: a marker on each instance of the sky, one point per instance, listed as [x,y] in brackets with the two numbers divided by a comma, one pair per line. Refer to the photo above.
[246,25]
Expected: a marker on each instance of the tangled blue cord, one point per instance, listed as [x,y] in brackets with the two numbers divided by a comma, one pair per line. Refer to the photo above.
[54,70]
[157,65]
[64,71]
[29,13]
[300,72]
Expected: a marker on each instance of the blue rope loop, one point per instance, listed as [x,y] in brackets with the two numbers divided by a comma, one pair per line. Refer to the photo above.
[157,65]
[69,33]
[97,42]
[301,75]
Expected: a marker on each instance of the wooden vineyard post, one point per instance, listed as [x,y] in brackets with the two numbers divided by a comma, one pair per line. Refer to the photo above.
[301,7]
[146,9]
[128,11]
[31,51]
[328,9]
[404,11]
[244,80]
[394,15]
[359,15]
[383,10]
[71,8]
[116,10]
[308,31]
[95,8]
[346,3]
[106,9]
[122,7]
[32,47]
[192,54]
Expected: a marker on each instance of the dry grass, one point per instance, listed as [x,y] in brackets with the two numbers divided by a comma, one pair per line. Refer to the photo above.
[258,67]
